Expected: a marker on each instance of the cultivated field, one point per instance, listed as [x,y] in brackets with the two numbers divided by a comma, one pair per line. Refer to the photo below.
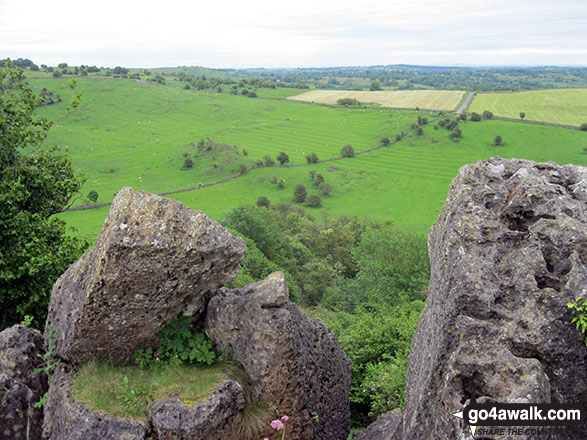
[423,99]
[562,106]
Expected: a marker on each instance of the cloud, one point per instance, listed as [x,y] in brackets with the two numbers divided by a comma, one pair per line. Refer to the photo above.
[301,33]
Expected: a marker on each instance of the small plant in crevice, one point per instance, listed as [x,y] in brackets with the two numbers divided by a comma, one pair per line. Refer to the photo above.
[580,320]
[50,362]
[279,426]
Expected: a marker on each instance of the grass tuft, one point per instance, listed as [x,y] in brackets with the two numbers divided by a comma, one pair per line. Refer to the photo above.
[103,387]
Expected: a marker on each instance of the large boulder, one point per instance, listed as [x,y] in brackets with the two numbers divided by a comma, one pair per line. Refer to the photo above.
[294,363]
[153,259]
[386,427]
[21,351]
[212,418]
[67,419]
[508,251]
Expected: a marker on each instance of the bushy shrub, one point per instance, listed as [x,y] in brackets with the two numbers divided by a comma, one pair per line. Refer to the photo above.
[347,151]
[313,201]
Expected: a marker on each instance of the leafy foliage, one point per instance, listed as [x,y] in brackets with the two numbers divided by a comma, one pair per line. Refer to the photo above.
[179,342]
[580,309]
[347,151]
[130,395]
[377,338]
[36,182]
[50,362]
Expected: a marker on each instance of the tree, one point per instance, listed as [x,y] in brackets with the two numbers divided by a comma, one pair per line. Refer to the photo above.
[375,86]
[419,131]
[497,140]
[312,158]
[242,168]
[347,101]
[252,95]
[62,65]
[313,201]
[456,133]
[118,70]
[385,141]
[347,151]
[522,115]
[475,117]
[583,127]
[36,182]
[187,164]
[282,158]
[487,114]
[93,196]
[263,201]
[299,193]
[268,161]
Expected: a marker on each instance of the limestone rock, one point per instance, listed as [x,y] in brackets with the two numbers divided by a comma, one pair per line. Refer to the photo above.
[20,388]
[294,363]
[153,259]
[508,251]
[386,427]
[212,418]
[67,419]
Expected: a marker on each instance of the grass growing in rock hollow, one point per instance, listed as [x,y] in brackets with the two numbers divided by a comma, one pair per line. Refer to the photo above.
[129,391]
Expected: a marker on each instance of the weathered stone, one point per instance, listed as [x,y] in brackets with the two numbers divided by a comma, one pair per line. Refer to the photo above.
[212,418]
[508,251]
[67,419]
[20,388]
[294,363]
[153,259]
[386,427]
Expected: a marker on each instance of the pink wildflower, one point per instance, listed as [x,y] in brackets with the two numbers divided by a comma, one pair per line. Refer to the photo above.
[284,418]
[276,424]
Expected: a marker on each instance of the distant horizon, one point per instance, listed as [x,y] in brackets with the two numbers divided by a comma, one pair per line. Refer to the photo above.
[456,65]
[330,33]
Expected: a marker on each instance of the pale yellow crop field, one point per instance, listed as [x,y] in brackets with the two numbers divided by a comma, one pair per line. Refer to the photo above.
[423,99]
[562,106]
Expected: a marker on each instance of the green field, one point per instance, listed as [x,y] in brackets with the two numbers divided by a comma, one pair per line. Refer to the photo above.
[561,106]
[406,182]
[131,134]
[126,133]
[425,99]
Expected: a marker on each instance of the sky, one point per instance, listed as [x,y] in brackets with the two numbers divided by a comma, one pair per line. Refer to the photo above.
[300,33]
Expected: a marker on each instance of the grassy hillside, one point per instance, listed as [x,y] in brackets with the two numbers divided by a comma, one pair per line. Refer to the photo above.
[406,182]
[126,133]
[562,106]
[425,99]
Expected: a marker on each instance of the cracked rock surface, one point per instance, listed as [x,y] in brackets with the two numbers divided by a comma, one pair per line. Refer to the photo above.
[294,363]
[153,259]
[508,251]
[20,387]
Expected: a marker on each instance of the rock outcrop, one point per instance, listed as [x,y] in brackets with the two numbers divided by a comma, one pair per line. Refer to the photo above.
[154,259]
[386,427]
[67,419]
[508,251]
[211,418]
[20,387]
[294,363]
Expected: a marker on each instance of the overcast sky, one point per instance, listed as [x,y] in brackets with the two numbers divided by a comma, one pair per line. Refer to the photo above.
[295,33]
